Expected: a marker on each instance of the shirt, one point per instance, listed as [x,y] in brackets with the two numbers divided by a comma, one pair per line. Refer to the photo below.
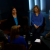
[16,21]
[37,20]
[19,40]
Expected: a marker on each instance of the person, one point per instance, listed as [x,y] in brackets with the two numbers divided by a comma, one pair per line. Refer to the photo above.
[37,22]
[47,35]
[3,38]
[15,37]
[15,19]
[45,41]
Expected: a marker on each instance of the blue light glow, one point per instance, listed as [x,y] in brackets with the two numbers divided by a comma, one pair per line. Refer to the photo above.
[29,4]
[41,4]
[35,2]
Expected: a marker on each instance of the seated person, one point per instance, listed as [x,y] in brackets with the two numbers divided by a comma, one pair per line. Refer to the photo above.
[37,22]
[47,35]
[2,37]
[15,37]
[14,19]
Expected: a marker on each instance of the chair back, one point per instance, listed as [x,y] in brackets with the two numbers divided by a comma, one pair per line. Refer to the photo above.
[15,47]
[44,23]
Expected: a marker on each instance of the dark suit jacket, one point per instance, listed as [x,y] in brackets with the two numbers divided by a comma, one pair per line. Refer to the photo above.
[11,21]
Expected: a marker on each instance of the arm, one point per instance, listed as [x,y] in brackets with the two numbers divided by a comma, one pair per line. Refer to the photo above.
[24,42]
[41,20]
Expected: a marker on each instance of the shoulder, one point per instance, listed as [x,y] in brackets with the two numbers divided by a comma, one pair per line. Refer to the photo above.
[21,37]
[32,13]
[41,14]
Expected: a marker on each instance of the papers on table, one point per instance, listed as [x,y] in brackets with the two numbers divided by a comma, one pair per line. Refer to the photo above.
[37,40]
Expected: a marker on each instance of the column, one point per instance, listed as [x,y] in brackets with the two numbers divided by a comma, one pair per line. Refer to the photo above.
[37,2]
[43,5]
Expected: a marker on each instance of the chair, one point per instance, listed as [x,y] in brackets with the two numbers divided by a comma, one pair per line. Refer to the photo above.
[43,26]
[15,47]
[1,23]
[2,26]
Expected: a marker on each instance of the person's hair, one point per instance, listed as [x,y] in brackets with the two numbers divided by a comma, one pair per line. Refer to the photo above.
[14,32]
[37,8]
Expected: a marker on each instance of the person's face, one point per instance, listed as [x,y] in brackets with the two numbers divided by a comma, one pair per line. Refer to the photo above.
[14,11]
[36,9]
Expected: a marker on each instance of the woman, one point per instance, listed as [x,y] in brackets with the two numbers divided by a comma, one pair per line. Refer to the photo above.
[15,37]
[14,19]
[37,21]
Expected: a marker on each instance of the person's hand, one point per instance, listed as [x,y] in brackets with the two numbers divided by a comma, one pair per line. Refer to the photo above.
[6,37]
[36,26]
[47,35]
[19,26]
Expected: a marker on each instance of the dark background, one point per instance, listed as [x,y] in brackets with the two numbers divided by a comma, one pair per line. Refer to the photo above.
[5,6]
[21,5]
[47,5]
